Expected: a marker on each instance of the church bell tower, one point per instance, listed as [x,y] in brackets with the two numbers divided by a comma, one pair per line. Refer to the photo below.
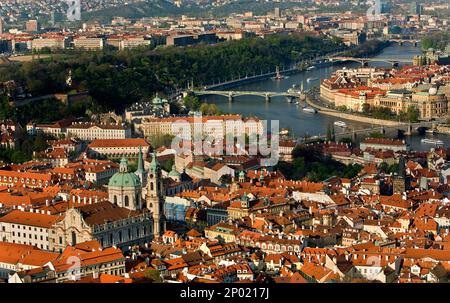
[155,197]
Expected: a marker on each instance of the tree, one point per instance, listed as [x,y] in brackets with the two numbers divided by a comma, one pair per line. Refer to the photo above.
[153,275]
[342,108]
[330,132]
[384,167]
[366,108]
[160,140]
[376,135]
[117,78]
[395,30]
[40,143]
[209,109]
[19,156]
[192,102]
[393,168]
[412,114]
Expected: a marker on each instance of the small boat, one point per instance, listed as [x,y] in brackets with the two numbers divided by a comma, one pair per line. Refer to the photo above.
[311,79]
[311,67]
[432,141]
[284,132]
[430,131]
[340,123]
[309,110]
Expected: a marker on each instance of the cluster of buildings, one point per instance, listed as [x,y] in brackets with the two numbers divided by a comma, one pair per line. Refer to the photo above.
[82,130]
[352,28]
[214,218]
[425,88]
[103,198]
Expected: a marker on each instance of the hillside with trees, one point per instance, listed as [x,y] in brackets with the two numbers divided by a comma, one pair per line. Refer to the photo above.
[116,79]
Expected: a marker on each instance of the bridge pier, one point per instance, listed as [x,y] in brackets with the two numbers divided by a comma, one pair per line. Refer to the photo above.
[267,98]
[230,98]
[408,130]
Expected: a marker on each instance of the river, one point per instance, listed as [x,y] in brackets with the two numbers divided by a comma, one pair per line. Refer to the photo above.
[292,117]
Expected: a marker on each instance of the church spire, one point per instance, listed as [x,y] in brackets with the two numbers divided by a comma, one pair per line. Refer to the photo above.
[154,165]
[140,166]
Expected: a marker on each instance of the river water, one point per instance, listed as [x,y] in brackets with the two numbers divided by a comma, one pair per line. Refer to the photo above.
[292,116]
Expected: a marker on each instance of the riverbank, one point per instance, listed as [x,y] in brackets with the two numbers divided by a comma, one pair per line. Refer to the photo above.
[331,112]
[301,123]
[370,51]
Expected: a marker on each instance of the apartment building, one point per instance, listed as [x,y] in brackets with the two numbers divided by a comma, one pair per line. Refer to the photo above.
[354,99]
[384,144]
[133,42]
[29,179]
[118,148]
[52,43]
[17,257]
[89,43]
[28,228]
[92,131]
[95,171]
[215,126]
[93,261]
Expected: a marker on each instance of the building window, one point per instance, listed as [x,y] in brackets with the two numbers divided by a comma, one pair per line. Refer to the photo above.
[127,202]
[74,238]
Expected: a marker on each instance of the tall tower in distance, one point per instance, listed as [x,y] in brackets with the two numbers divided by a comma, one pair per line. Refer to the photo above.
[399,179]
[277,12]
[155,197]
[1,26]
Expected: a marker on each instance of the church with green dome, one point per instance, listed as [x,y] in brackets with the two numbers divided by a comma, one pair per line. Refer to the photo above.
[160,105]
[125,188]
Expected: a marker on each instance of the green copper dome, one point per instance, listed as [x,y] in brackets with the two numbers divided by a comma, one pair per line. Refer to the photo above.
[124,178]
[157,100]
[173,172]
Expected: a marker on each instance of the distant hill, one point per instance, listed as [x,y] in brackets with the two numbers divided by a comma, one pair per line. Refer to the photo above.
[147,8]
[152,8]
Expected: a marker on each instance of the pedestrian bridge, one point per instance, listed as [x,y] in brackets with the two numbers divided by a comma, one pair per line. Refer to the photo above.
[231,95]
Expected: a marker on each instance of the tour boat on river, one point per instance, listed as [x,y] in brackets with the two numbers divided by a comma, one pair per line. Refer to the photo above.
[309,110]
[432,141]
[340,123]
